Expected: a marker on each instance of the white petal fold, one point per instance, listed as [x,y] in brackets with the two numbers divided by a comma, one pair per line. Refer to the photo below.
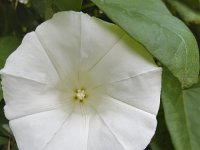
[61,39]
[125,59]
[25,97]
[30,61]
[100,137]
[141,91]
[131,126]
[73,133]
[33,132]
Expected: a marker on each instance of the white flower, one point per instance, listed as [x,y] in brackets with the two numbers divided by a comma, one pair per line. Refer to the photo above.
[79,83]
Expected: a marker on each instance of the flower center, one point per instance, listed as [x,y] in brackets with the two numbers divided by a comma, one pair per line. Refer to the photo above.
[80,95]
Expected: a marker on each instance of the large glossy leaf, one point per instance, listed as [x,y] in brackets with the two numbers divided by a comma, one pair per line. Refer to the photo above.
[161,139]
[166,37]
[7,46]
[182,109]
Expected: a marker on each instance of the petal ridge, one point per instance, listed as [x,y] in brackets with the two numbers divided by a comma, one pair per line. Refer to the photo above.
[42,109]
[104,122]
[48,55]
[112,47]
[120,80]
[56,132]
[115,100]
[2,72]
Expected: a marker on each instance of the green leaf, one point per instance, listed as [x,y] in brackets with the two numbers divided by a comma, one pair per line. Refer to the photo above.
[15,147]
[42,8]
[6,131]
[161,139]
[8,20]
[4,128]
[38,7]
[7,46]
[182,109]
[68,5]
[46,8]
[3,140]
[166,37]
[3,120]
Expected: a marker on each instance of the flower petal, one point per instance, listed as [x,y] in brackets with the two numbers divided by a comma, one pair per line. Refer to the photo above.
[141,91]
[61,38]
[74,132]
[97,38]
[133,127]
[100,137]
[31,62]
[126,59]
[25,97]
[34,132]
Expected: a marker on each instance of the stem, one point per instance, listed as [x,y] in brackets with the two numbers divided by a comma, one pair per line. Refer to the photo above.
[187,14]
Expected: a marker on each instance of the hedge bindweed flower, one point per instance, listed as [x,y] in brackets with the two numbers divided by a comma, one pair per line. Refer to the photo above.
[79,83]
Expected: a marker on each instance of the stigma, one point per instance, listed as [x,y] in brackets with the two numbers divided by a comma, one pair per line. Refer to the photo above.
[80,95]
